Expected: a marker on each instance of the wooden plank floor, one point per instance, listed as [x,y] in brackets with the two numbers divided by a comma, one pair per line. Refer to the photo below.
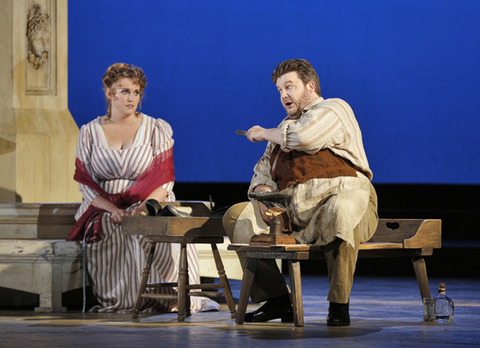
[385,312]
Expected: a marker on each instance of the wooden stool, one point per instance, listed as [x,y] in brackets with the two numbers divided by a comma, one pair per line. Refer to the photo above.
[414,238]
[200,228]
[183,286]
[292,253]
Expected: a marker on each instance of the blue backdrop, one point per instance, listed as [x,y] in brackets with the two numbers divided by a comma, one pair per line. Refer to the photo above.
[410,70]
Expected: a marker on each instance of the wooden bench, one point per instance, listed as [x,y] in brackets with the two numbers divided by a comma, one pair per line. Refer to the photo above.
[414,238]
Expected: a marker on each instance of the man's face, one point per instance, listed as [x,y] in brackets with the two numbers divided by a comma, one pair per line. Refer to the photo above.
[294,95]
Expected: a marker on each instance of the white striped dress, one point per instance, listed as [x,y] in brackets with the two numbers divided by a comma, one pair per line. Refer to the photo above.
[115,263]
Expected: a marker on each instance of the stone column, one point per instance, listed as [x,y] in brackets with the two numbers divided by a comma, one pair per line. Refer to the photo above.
[38,135]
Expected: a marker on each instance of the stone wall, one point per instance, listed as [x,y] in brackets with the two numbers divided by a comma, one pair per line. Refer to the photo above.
[38,135]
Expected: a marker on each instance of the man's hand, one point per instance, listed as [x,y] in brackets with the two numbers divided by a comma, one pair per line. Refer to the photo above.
[263,207]
[257,133]
[263,210]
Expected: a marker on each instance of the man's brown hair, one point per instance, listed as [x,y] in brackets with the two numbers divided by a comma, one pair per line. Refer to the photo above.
[304,69]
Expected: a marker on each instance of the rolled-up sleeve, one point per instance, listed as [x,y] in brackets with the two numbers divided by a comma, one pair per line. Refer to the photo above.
[316,130]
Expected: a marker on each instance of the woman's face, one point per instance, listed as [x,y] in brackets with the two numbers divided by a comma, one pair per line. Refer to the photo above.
[126,96]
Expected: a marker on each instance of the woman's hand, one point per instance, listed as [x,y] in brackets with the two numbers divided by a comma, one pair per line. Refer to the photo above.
[117,214]
[141,210]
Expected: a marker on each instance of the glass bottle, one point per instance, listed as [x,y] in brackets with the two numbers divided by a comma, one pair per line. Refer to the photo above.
[444,306]
[429,309]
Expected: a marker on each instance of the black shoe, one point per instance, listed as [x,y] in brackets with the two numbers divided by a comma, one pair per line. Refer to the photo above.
[170,210]
[261,315]
[153,207]
[275,308]
[338,314]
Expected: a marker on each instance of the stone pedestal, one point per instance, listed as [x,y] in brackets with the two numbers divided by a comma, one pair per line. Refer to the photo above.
[38,135]
[44,267]
[34,256]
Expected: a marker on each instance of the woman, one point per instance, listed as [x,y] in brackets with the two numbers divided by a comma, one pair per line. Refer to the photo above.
[123,159]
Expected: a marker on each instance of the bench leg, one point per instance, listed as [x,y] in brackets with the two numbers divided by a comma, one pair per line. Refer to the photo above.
[296,285]
[247,281]
[143,282]
[183,297]
[227,291]
[421,273]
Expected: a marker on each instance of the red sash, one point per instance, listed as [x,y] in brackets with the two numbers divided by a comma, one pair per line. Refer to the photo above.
[159,172]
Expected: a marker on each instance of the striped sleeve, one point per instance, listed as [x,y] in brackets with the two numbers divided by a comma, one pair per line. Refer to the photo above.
[162,137]
[317,130]
[84,152]
[161,141]
[327,124]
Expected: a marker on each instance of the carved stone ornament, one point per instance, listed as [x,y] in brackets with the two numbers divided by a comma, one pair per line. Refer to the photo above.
[38,36]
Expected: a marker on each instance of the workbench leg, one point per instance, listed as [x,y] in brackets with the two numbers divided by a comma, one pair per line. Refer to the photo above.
[143,282]
[183,297]
[296,285]
[227,291]
[421,273]
[247,281]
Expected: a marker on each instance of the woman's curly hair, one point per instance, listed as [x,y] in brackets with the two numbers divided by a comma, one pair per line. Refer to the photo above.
[118,71]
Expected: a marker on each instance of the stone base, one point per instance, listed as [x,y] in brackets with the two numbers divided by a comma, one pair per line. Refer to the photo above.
[46,268]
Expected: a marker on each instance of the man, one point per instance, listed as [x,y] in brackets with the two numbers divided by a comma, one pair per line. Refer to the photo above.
[316,154]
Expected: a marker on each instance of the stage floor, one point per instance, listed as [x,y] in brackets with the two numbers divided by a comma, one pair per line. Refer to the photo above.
[385,312]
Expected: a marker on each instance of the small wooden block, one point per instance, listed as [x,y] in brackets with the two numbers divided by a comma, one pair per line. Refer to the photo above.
[272,239]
